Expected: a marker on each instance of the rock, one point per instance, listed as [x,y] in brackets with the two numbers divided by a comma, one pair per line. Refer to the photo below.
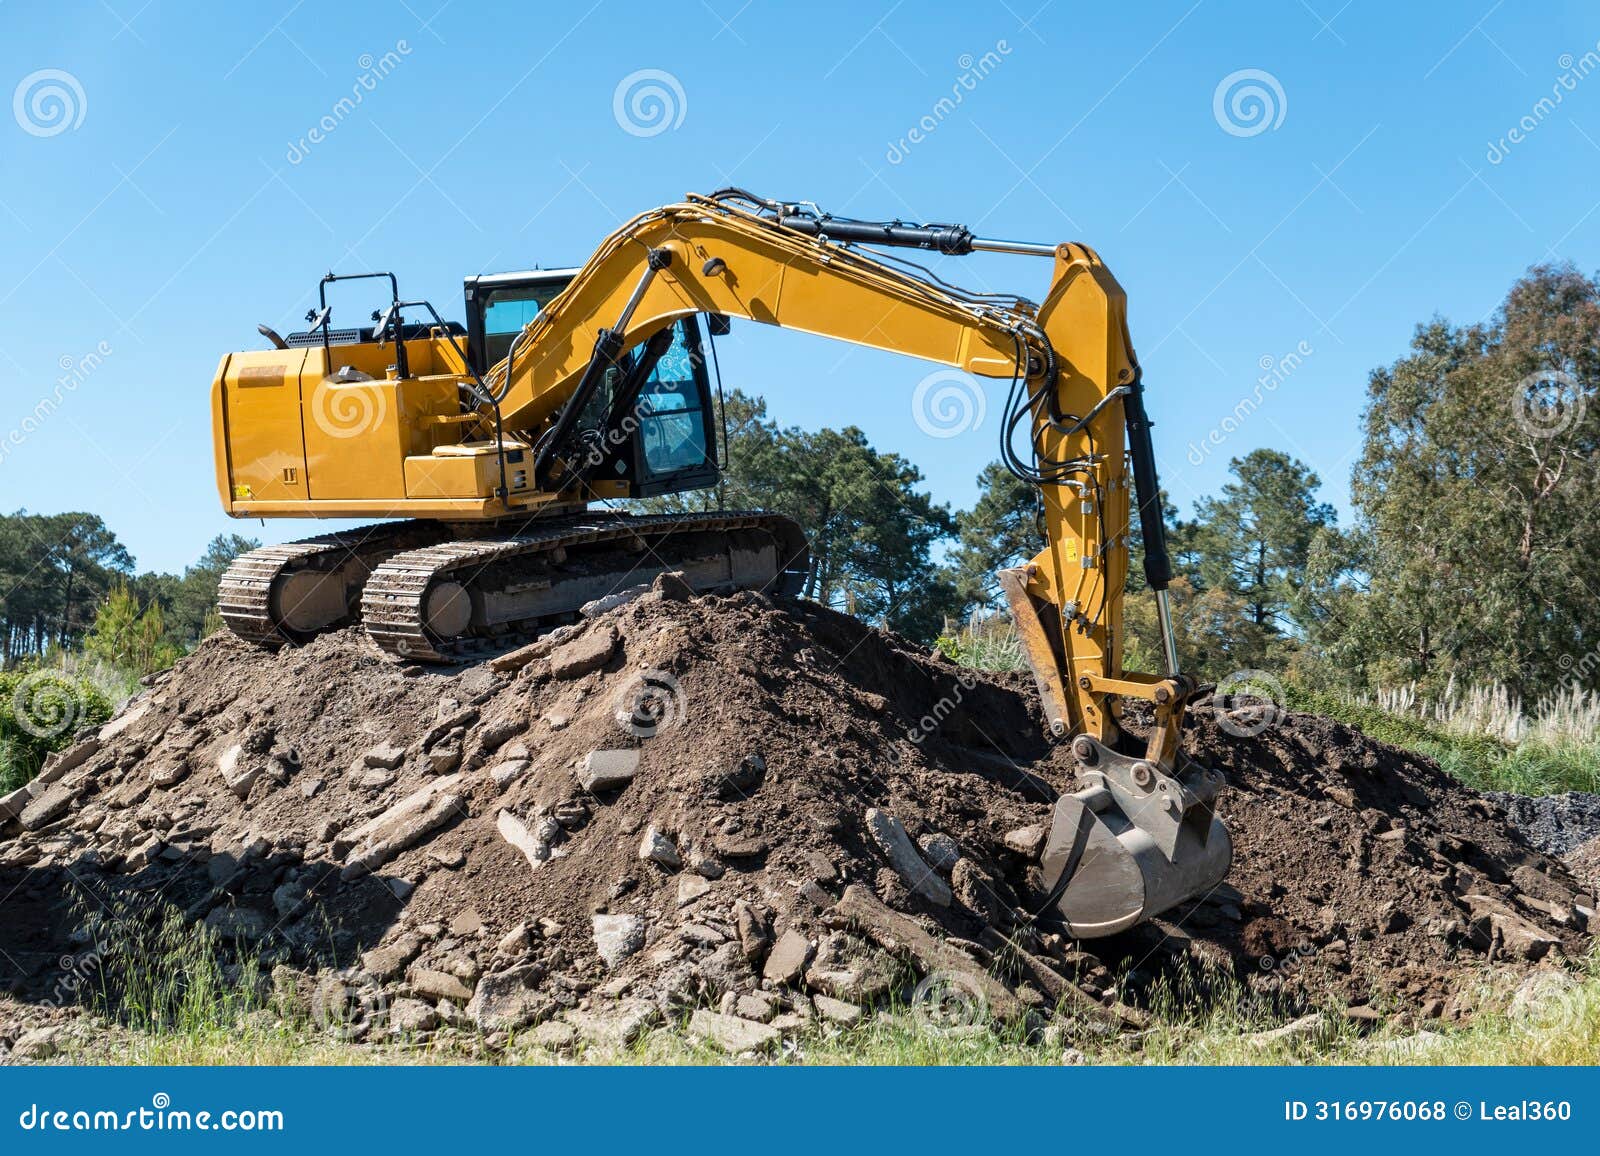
[503,773]
[904,937]
[740,846]
[836,1011]
[237,923]
[386,757]
[374,779]
[939,850]
[1073,1058]
[287,898]
[400,888]
[690,888]
[1502,931]
[616,937]
[608,770]
[11,804]
[410,1017]
[515,943]
[891,837]
[438,985]
[444,757]
[387,963]
[554,1036]
[732,1034]
[755,1005]
[585,654]
[741,781]
[611,602]
[862,982]
[618,1027]
[169,774]
[309,788]
[701,935]
[788,959]
[506,1001]
[450,858]
[47,807]
[979,893]
[239,771]
[467,922]
[754,928]
[672,586]
[1309,1027]
[38,1044]
[657,847]
[58,763]
[402,825]
[537,844]
[1026,841]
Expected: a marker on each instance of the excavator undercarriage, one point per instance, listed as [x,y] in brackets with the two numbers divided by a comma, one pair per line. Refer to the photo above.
[504,443]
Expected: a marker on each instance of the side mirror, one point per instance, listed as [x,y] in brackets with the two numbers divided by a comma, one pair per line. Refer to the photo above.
[719,324]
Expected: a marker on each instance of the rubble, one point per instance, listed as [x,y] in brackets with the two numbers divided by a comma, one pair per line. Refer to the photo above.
[784,848]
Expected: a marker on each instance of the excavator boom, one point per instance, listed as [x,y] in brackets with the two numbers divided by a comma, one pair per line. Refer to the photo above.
[602,394]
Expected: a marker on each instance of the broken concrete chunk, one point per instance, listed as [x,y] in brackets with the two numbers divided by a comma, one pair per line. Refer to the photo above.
[658,847]
[401,826]
[608,770]
[788,958]
[616,937]
[1026,841]
[732,1034]
[503,773]
[891,836]
[836,1011]
[690,888]
[611,601]
[49,806]
[386,756]
[537,843]
[438,985]
[238,770]
[672,586]
[940,851]
[506,1000]
[584,655]
[386,963]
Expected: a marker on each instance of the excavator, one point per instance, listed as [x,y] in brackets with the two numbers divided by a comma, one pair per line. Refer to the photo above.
[500,446]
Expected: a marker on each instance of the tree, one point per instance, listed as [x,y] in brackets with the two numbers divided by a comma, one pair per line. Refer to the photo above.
[1254,539]
[1476,493]
[129,637]
[871,528]
[1001,530]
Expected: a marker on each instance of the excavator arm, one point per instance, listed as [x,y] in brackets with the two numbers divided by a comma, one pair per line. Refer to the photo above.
[1140,835]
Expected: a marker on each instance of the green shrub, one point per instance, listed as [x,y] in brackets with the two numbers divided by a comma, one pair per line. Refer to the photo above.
[40,710]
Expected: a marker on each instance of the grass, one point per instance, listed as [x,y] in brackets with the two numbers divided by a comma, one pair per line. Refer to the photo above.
[1563,1029]
[164,992]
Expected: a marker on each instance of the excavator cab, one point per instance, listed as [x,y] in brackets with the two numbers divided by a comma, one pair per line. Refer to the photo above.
[662,442]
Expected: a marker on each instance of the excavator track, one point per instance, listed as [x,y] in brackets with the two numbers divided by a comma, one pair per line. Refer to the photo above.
[546,574]
[249,594]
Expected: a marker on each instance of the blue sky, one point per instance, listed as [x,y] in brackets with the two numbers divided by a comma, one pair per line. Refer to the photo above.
[171,198]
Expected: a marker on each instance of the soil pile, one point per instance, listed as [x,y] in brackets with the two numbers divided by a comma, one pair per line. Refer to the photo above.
[747,812]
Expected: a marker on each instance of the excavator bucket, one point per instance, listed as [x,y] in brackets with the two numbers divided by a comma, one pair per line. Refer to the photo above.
[1132,842]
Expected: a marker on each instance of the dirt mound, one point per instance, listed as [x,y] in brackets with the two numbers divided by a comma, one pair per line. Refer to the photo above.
[689,803]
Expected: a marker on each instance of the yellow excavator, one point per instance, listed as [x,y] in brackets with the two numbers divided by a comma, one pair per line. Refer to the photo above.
[493,441]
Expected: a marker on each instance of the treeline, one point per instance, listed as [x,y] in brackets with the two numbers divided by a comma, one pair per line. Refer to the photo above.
[1471,558]
[65,578]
